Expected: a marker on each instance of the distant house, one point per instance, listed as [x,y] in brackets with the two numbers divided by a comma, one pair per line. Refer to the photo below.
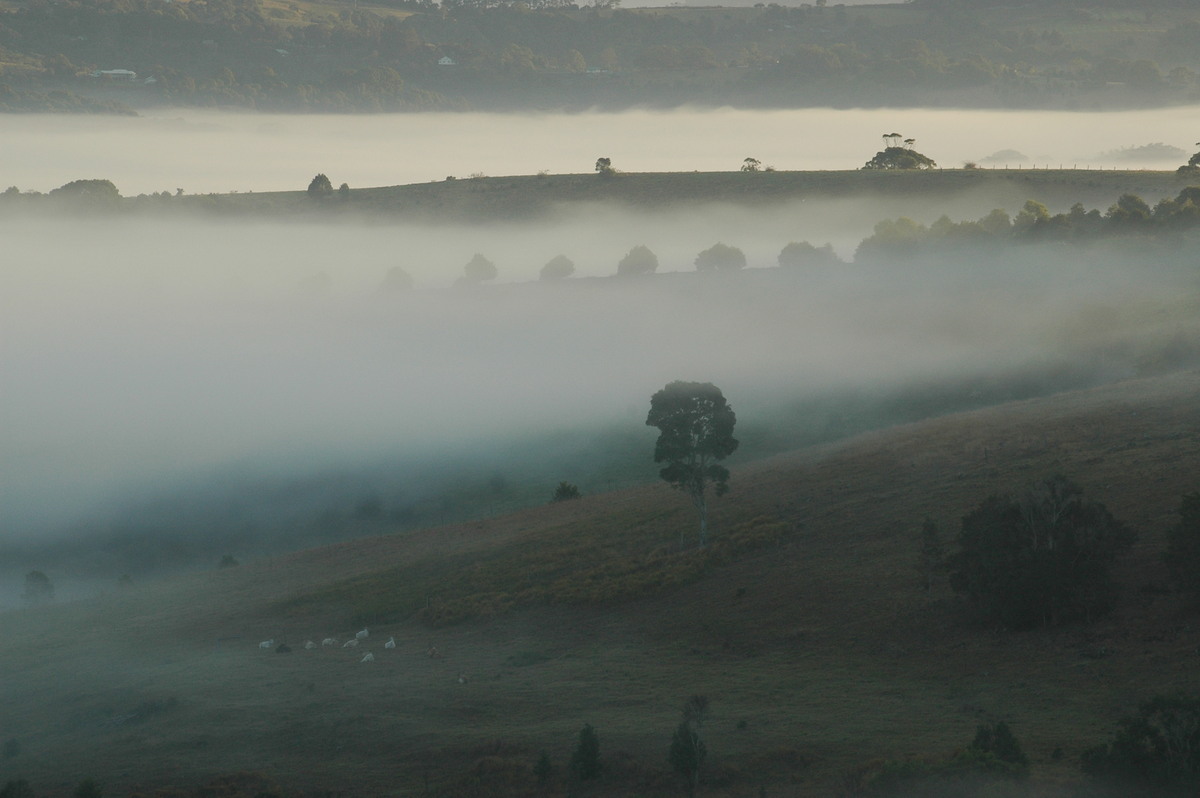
[115,74]
[447,61]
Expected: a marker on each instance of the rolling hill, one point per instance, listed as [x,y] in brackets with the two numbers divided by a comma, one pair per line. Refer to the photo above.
[805,625]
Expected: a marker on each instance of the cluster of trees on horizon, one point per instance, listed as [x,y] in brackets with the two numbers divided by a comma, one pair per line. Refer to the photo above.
[417,55]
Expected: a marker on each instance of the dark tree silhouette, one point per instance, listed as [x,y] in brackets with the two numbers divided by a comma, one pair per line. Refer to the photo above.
[478,270]
[604,167]
[557,268]
[1183,547]
[637,261]
[801,253]
[1039,560]
[585,759]
[720,257]
[565,492]
[900,158]
[320,186]
[695,426]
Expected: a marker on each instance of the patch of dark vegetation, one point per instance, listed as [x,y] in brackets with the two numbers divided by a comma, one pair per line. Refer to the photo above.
[1129,216]
[1154,754]
[1040,560]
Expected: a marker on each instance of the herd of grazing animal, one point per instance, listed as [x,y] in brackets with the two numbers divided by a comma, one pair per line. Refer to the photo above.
[352,643]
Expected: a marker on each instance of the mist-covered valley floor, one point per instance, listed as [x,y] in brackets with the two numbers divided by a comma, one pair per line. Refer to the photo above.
[178,390]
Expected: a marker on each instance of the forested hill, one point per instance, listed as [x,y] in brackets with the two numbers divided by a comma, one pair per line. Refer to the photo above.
[389,55]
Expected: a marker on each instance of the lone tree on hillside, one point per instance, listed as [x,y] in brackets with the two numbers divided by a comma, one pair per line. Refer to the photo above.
[637,261]
[695,431]
[320,186]
[751,165]
[604,167]
[1040,560]
[719,258]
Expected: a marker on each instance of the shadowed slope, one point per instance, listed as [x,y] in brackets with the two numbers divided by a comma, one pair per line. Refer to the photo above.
[817,648]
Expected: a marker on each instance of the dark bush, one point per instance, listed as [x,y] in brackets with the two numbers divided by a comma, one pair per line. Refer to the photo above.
[585,760]
[1155,752]
[1040,560]
[1183,547]
[565,492]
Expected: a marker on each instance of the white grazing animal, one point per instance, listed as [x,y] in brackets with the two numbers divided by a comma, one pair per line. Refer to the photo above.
[329,641]
[362,635]
[267,643]
[351,643]
[391,643]
[310,645]
[369,658]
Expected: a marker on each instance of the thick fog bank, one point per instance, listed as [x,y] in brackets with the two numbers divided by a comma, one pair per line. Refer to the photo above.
[203,152]
[144,359]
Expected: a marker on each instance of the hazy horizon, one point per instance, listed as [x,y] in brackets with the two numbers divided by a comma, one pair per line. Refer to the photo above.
[220,152]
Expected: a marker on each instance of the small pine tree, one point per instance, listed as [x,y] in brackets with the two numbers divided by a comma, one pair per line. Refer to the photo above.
[585,760]
[565,492]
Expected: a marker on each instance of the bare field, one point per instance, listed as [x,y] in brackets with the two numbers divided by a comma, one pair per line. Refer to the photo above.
[818,654]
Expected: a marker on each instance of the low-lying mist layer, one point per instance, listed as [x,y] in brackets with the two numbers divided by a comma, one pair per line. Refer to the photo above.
[142,357]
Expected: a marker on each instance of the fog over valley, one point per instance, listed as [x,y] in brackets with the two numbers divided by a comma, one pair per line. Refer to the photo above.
[177,377]
[145,359]
[523,398]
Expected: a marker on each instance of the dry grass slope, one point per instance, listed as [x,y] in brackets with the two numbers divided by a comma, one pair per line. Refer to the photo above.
[811,636]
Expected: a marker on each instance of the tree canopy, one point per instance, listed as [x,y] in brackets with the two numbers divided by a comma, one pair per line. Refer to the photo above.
[320,186]
[695,426]
[557,268]
[720,257]
[900,158]
[479,270]
[1039,560]
[637,261]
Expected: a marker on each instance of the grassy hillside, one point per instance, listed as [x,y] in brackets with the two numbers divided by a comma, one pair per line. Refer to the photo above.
[520,197]
[812,637]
